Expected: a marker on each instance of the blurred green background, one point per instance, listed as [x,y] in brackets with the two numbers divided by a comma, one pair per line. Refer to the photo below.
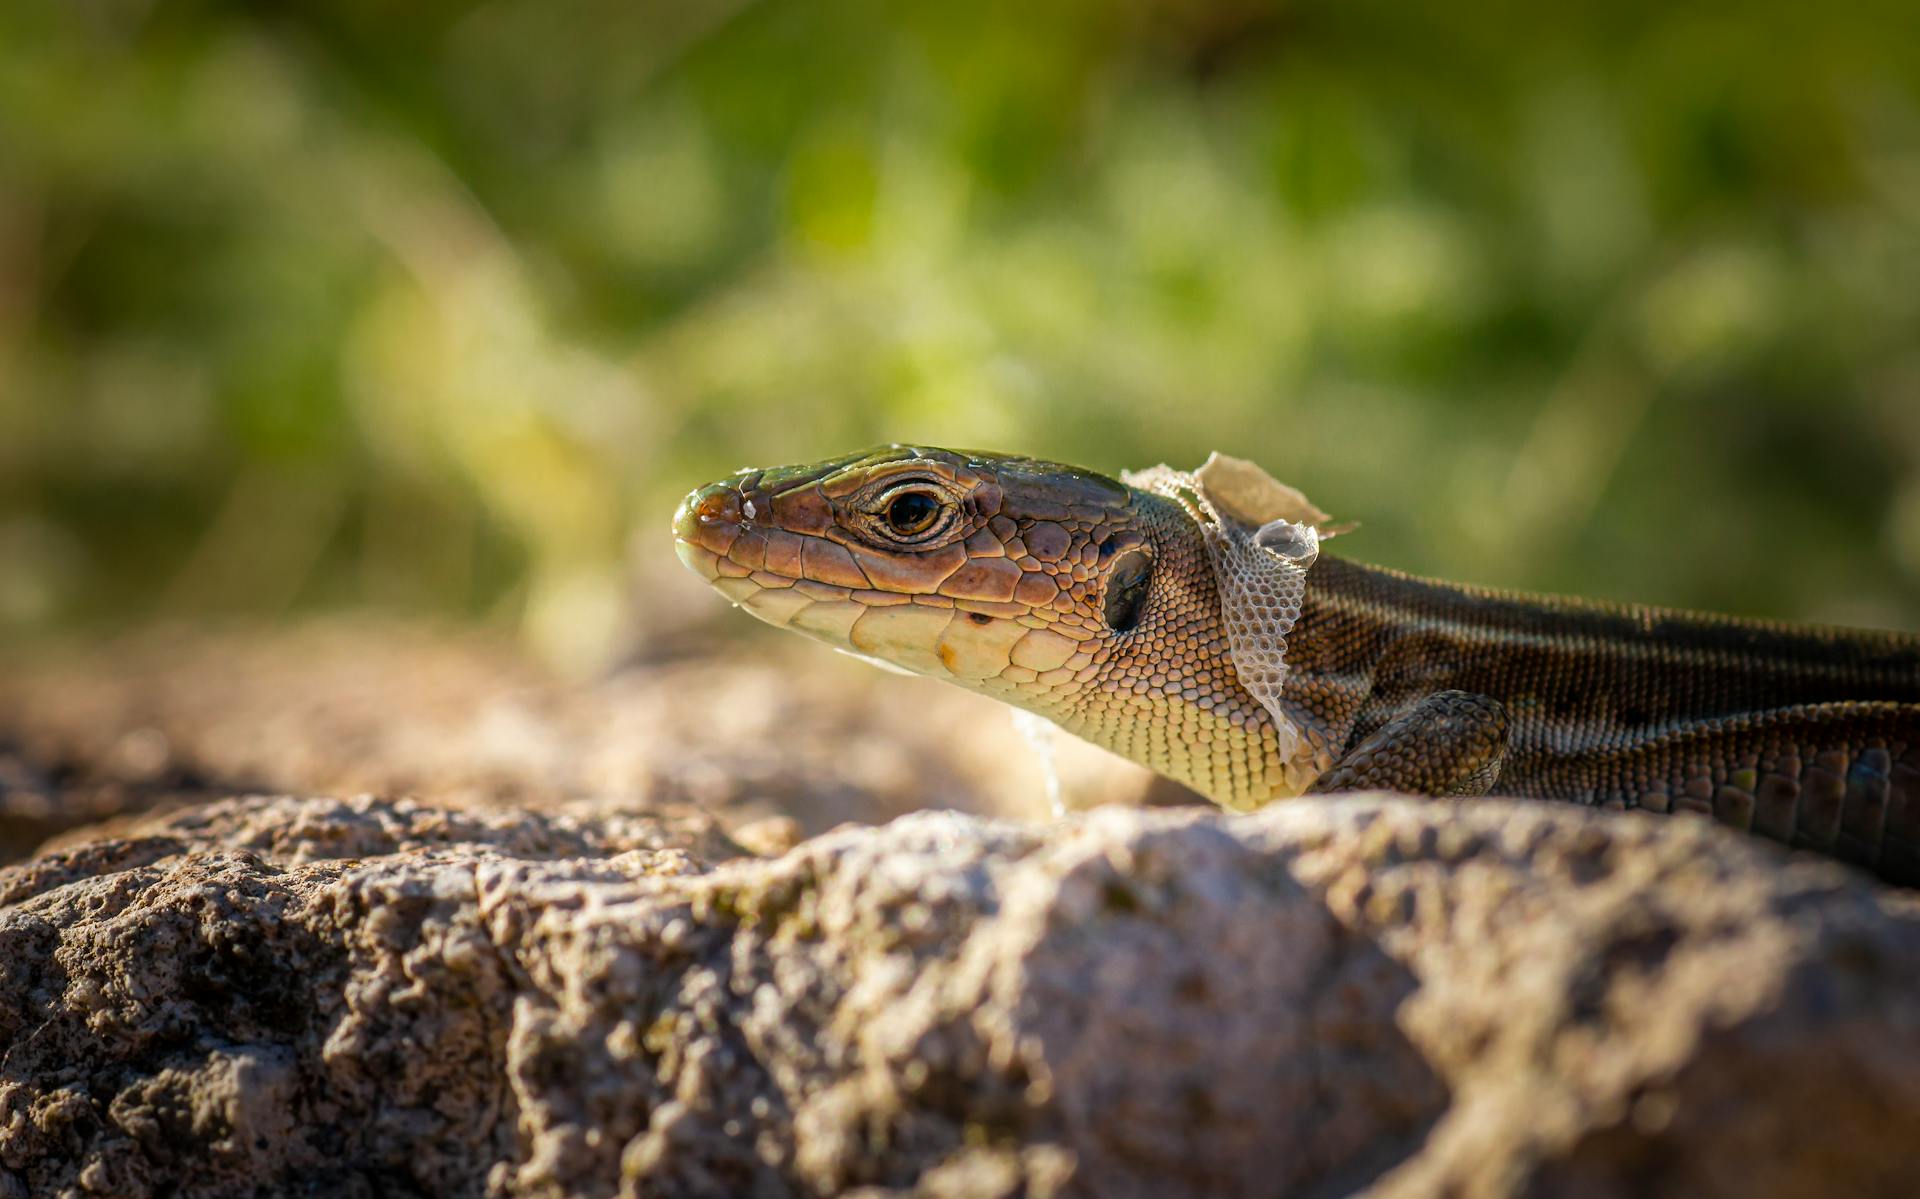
[439,308]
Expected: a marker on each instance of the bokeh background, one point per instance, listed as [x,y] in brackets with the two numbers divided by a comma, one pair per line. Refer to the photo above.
[439,308]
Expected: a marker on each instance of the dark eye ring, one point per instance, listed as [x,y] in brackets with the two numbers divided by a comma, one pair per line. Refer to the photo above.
[912,512]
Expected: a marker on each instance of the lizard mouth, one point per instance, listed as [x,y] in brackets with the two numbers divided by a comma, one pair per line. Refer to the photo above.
[731,534]
[706,526]
[717,536]
[698,559]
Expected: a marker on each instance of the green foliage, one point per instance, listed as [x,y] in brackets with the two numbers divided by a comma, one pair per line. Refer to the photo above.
[427,304]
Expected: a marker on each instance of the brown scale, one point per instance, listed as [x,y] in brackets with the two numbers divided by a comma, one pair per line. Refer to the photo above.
[1810,737]
[1806,736]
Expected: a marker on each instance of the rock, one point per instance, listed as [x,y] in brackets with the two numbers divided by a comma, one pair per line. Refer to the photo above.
[282,996]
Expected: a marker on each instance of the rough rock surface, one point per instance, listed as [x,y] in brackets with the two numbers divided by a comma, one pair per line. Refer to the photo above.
[282,996]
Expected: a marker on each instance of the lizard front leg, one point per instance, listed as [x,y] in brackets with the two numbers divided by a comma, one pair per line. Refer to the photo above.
[1450,743]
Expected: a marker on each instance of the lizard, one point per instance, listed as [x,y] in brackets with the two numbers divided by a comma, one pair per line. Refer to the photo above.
[1189,621]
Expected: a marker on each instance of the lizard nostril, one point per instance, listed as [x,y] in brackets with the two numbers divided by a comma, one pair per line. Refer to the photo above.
[717,505]
[709,517]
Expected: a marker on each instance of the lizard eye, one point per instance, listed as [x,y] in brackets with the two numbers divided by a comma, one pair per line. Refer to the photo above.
[910,513]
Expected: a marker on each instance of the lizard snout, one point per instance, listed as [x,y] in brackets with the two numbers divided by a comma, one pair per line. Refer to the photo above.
[706,524]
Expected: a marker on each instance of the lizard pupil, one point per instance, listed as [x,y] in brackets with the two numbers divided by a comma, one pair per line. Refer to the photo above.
[1127,589]
[912,512]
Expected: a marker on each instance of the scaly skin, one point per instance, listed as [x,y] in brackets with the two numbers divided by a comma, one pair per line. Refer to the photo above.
[1810,736]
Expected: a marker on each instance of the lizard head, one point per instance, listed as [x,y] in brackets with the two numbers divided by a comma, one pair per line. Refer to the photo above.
[986,569]
[1092,602]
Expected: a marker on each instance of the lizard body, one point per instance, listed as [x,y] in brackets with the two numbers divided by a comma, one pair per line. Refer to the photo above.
[1188,622]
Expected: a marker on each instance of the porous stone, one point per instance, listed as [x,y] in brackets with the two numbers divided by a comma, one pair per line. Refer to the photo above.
[1398,997]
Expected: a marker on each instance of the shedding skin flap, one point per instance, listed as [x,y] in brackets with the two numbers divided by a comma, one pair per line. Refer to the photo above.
[1262,537]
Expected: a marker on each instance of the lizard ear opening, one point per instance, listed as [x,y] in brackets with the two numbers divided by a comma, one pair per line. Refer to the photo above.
[1126,597]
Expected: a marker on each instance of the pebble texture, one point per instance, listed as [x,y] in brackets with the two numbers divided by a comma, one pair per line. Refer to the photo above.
[278,996]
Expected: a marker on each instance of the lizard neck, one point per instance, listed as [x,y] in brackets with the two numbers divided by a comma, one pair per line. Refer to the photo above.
[1167,693]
